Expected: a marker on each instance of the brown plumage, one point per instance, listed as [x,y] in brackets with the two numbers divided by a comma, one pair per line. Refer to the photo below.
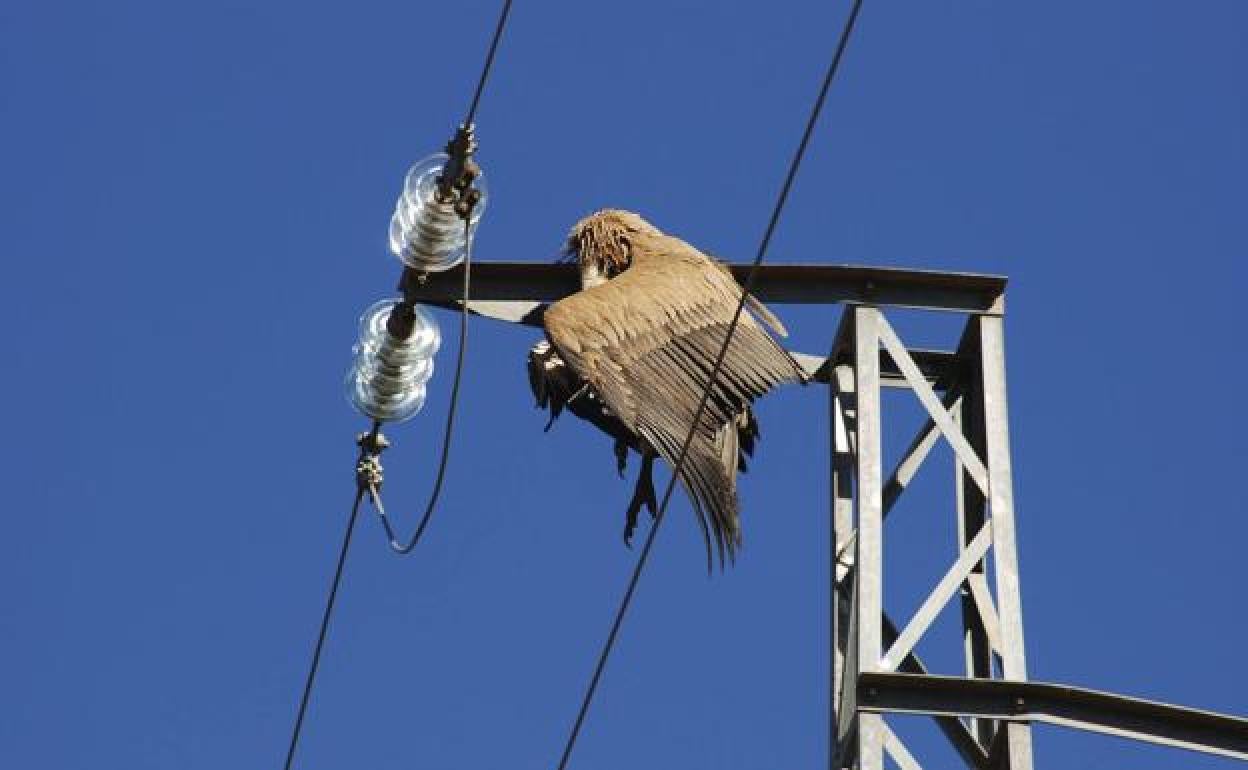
[633,350]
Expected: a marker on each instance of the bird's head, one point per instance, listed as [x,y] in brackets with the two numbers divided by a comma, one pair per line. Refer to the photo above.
[602,243]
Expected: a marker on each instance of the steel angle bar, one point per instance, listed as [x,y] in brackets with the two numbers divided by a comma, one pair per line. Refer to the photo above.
[535,283]
[938,412]
[909,464]
[971,751]
[840,633]
[1074,707]
[868,589]
[915,454]
[959,736]
[978,584]
[1001,501]
[847,704]
[898,751]
[937,599]
[868,573]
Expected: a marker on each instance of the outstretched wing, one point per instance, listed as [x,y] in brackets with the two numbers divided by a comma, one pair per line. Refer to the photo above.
[647,340]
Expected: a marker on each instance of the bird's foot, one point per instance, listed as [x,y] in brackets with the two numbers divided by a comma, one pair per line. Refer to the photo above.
[630,526]
[643,495]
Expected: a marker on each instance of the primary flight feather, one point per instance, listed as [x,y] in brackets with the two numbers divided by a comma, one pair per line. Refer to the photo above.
[633,350]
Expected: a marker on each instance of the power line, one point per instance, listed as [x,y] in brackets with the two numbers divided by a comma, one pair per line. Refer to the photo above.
[329,609]
[489,62]
[747,287]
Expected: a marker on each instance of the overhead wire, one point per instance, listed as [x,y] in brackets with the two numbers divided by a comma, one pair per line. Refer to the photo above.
[747,288]
[503,15]
[369,442]
[360,491]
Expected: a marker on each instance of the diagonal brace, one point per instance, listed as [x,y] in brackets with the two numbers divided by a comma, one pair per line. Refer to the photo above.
[938,598]
[927,396]
[902,475]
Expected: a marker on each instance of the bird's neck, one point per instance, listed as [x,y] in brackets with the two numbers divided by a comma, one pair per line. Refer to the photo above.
[591,275]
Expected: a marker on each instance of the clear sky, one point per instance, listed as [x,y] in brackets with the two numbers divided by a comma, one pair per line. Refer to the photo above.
[195,199]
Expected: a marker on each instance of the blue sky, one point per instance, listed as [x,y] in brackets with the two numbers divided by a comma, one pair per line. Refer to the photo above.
[195,202]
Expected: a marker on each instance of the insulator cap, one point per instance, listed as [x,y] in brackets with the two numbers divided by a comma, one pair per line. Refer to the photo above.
[387,379]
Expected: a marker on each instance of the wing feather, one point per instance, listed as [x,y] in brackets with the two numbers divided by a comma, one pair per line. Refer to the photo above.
[647,341]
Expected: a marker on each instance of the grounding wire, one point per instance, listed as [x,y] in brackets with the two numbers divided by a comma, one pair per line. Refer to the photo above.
[374,493]
[747,287]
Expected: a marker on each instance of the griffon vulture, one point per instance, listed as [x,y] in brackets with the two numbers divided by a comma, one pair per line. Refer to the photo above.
[632,353]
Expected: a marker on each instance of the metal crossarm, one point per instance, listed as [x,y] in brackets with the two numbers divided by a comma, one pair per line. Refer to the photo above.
[1076,707]
[516,291]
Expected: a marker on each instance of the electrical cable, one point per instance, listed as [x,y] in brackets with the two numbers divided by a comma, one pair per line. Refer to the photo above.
[747,287]
[489,62]
[361,488]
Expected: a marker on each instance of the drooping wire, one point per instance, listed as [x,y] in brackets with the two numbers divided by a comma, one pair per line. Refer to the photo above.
[360,490]
[746,290]
[374,493]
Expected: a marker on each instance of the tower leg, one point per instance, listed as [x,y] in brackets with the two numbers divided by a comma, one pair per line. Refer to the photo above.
[977,649]
[1001,502]
[841,430]
[868,562]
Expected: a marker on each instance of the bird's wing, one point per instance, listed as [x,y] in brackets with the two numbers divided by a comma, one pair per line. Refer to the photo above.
[647,341]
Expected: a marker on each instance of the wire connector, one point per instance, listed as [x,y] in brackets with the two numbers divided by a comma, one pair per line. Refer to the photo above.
[460,170]
[368,470]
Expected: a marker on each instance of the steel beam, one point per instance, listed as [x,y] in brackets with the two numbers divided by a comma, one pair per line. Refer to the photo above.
[1001,504]
[959,736]
[935,409]
[900,478]
[971,504]
[841,468]
[1075,707]
[869,563]
[535,283]
[937,599]
[898,751]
